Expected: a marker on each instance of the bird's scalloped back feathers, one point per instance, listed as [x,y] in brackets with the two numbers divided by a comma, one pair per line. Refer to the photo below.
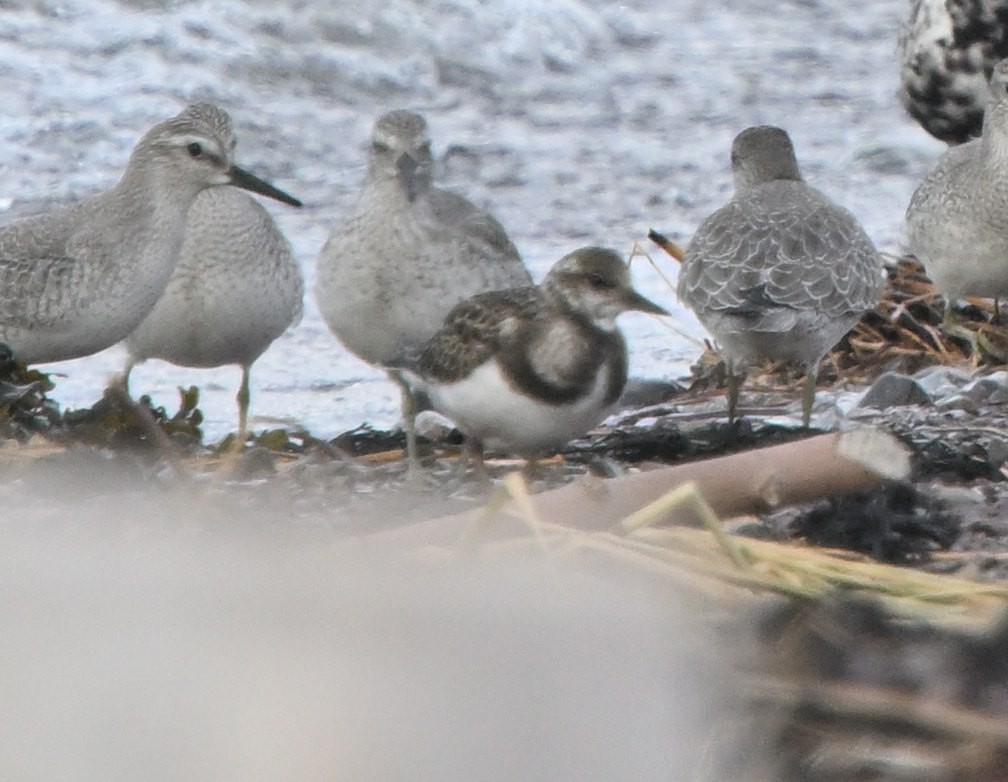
[791,243]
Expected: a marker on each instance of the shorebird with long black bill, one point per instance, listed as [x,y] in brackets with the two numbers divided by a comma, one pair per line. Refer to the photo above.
[81,278]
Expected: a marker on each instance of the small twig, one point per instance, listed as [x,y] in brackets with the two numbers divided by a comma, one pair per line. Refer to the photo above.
[666,244]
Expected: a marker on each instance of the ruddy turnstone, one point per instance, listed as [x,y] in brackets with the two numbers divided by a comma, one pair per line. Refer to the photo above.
[525,370]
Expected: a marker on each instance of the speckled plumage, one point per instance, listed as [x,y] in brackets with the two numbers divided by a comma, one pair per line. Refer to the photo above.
[957,219]
[235,289]
[780,272]
[947,49]
[409,251]
[527,369]
[81,278]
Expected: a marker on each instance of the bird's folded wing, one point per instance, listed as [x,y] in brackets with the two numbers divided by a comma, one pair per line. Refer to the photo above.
[37,291]
[474,331]
[487,236]
[810,258]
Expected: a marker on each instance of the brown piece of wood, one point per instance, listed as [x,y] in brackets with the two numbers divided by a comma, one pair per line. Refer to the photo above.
[751,482]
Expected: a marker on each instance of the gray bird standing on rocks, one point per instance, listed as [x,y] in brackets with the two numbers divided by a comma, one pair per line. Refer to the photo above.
[81,278]
[957,220]
[780,272]
[407,254]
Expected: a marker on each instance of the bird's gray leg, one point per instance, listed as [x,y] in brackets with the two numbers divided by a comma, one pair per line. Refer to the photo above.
[472,450]
[243,397]
[124,378]
[953,328]
[808,394]
[735,375]
[409,414]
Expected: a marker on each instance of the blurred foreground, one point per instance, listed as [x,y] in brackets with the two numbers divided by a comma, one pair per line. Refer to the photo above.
[149,634]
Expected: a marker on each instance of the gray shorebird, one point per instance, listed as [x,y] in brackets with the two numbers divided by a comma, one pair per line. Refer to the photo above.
[780,272]
[79,279]
[235,289]
[527,369]
[957,220]
[407,254]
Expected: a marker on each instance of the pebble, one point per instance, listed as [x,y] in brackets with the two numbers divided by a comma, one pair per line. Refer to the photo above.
[894,389]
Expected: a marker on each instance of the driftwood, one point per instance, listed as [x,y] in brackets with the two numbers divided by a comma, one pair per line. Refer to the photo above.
[829,465]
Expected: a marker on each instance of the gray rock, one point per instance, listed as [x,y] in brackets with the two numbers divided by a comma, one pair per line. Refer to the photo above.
[959,402]
[991,390]
[894,389]
[642,392]
[941,382]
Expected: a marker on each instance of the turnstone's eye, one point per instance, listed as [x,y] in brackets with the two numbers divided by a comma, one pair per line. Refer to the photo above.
[599,282]
[380,146]
[194,149]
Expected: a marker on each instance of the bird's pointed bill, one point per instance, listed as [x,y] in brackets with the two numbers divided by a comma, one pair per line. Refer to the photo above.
[241,178]
[632,300]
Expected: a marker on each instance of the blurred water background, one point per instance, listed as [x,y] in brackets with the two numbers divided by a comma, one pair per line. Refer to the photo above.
[576,122]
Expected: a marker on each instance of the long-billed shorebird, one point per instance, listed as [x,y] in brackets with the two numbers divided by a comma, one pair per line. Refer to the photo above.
[527,369]
[81,278]
[957,219]
[407,254]
[780,272]
[235,289]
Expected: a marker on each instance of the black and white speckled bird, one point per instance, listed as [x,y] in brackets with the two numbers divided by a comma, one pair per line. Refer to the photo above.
[527,369]
[780,272]
[947,49]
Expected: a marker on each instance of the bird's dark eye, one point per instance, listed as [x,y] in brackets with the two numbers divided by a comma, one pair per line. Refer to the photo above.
[194,149]
[380,146]
[599,282]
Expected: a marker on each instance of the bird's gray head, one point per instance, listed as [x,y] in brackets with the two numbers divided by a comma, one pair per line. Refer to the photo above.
[996,114]
[192,151]
[763,154]
[401,151]
[594,282]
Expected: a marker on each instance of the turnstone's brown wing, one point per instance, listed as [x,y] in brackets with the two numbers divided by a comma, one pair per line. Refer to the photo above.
[473,331]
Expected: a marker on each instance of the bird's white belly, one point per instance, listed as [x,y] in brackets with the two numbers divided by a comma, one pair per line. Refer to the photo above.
[970,277]
[484,405]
